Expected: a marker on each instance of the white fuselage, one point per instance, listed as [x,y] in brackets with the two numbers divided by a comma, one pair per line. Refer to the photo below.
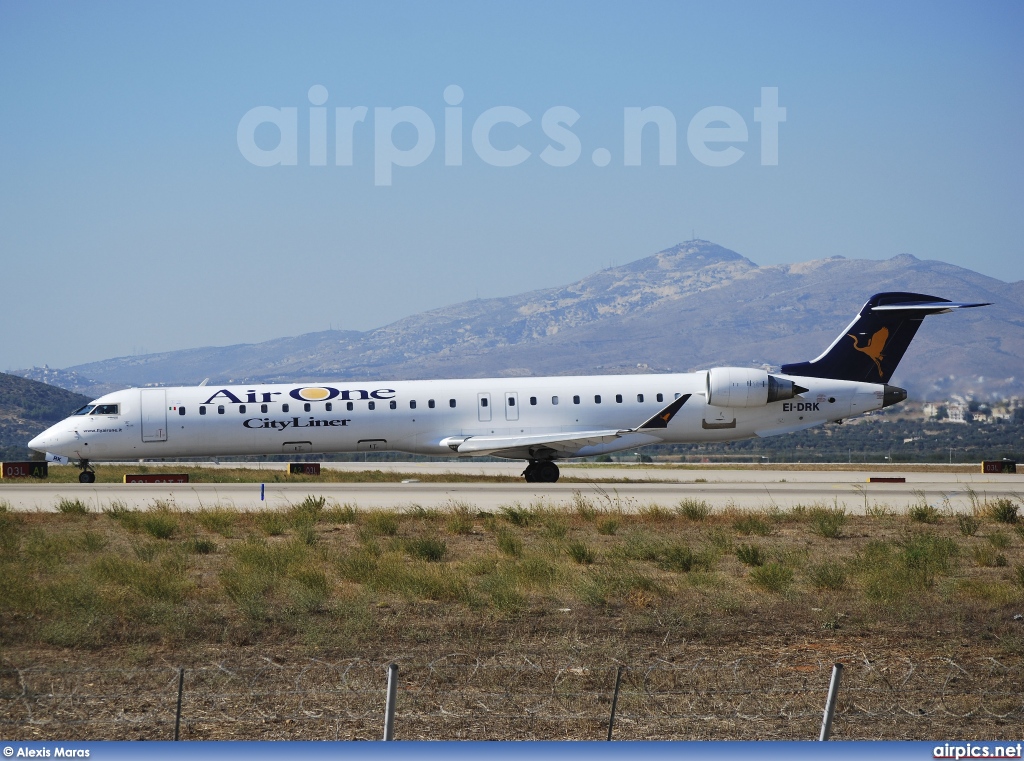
[424,417]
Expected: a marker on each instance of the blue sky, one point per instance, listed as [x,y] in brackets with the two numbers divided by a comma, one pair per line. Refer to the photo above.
[131,220]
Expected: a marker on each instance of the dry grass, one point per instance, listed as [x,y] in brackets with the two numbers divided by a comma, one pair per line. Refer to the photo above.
[325,580]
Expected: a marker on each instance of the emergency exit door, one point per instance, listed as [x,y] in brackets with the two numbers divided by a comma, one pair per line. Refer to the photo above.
[154,414]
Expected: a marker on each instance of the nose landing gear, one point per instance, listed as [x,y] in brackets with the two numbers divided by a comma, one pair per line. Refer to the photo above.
[541,472]
[88,475]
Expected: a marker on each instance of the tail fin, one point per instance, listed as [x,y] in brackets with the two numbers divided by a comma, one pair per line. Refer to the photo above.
[873,345]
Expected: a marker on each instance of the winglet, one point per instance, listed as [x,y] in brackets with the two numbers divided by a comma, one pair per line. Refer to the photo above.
[661,419]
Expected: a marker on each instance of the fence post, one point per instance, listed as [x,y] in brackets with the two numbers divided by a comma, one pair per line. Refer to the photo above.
[177,713]
[830,704]
[389,706]
[615,701]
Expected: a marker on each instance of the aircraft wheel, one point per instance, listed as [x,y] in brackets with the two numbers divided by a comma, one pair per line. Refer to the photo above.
[87,477]
[530,474]
[547,472]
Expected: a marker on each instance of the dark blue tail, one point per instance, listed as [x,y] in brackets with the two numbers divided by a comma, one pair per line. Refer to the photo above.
[873,345]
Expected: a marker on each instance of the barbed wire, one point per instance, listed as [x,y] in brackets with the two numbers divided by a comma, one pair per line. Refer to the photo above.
[462,696]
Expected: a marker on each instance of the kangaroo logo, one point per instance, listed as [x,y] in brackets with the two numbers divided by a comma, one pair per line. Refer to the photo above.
[874,347]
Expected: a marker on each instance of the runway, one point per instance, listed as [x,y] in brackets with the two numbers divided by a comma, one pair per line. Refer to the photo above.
[742,489]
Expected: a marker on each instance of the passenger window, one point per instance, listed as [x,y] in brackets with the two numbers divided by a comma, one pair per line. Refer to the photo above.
[677,395]
[220,409]
[348,406]
[533,401]
[451,403]
[661,397]
[263,408]
[554,400]
[202,410]
[181,410]
[511,401]
[640,398]
[84,410]
[241,408]
[597,398]
[105,409]
[618,398]
[306,407]
[575,400]
[329,406]
[372,405]
[430,403]
[483,402]
[393,405]
[412,404]
[284,408]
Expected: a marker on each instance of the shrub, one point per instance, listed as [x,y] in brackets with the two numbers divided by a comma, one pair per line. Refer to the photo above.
[828,521]
[580,552]
[509,543]
[967,524]
[379,523]
[1003,510]
[201,546]
[923,513]
[693,509]
[518,515]
[270,522]
[750,523]
[159,524]
[219,520]
[340,514]
[677,557]
[430,549]
[608,526]
[773,577]
[460,519]
[72,506]
[999,539]
[654,513]
[583,506]
[750,554]
[829,575]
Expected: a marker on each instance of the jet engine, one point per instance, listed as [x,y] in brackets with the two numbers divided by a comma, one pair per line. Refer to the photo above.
[747,387]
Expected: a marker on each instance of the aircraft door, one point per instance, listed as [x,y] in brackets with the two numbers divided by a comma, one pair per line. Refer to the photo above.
[483,407]
[154,414]
[511,405]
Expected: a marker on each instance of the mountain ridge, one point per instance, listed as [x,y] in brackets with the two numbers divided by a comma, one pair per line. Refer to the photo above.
[688,307]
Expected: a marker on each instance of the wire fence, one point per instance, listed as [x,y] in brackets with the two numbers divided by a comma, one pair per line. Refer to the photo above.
[459,696]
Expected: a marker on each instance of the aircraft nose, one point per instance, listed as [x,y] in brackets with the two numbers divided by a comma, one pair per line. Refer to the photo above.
[39,442]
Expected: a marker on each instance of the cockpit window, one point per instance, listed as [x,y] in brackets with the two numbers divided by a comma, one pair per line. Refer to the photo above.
[105,409]
[84,410]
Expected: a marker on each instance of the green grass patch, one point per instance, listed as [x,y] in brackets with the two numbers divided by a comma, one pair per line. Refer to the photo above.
[67,506]
[1003,510]
[773,577]
[827,521]
[750,554]
[428,548]
[693,509]
[608,526]
[830,576]
[752,523]
[580,552]
[923,513]
[968,524]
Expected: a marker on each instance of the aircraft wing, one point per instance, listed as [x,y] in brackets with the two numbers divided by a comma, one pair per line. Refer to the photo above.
[564,444]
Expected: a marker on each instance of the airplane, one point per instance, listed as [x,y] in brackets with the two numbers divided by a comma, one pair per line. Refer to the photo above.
[539,420]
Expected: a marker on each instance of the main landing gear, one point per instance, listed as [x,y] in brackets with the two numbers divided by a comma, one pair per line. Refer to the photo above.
[541,472]
[88,475]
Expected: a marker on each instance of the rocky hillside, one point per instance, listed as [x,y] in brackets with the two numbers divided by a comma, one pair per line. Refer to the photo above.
[27,408]
[692,306]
